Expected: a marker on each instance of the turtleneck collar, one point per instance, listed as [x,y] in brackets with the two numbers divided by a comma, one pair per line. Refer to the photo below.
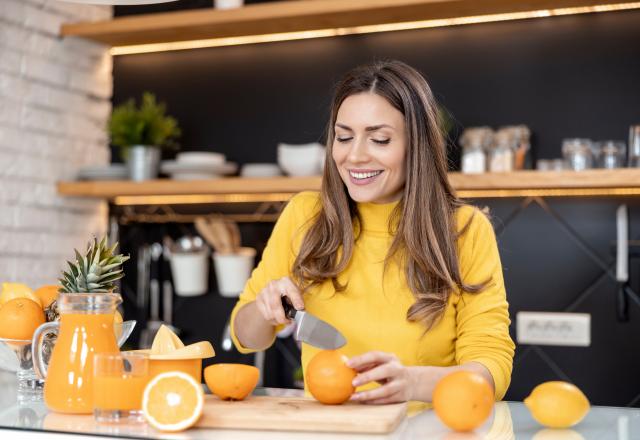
[375,216]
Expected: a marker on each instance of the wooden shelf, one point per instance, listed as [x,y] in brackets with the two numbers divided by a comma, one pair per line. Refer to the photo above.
[517,184]
[296,16]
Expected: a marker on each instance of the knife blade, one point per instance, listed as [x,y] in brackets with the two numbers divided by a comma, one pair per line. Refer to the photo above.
[313,330]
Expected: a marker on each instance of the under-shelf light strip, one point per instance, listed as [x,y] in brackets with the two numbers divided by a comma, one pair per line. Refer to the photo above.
[320,33]
[188,199]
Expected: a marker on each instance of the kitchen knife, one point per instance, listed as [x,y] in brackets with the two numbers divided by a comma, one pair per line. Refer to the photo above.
[312,330]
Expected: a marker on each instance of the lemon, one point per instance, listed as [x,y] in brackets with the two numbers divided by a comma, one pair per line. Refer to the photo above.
[557,404]
[17,290]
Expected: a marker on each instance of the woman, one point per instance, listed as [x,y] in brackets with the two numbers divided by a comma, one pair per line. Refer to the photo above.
[386,253]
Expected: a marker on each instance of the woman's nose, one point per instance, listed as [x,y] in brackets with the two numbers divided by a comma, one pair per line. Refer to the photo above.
[358,151]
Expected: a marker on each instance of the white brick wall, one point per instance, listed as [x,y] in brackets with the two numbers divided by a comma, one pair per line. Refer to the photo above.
[54,104]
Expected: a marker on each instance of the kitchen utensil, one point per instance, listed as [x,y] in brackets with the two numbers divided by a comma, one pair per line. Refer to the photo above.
[313,330]
[143,265]
[300,414]
[202,226]
[219,228]
[622,262]
[624,292]
[234,234]
[153,324]
[634,146]
[167,288]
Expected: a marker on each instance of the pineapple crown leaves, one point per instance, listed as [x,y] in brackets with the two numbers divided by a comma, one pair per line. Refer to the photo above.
[95,271]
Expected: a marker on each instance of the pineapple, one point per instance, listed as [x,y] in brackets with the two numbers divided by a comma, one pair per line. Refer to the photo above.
[95,272]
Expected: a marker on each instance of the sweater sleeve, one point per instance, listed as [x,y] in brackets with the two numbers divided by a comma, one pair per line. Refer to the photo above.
[277,258]
[483,318]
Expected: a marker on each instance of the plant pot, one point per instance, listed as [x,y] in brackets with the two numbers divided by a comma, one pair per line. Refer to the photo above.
[233,270]
[190,272]
[143,162]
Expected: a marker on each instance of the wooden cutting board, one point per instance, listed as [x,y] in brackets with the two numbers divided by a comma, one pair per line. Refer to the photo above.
[300,414]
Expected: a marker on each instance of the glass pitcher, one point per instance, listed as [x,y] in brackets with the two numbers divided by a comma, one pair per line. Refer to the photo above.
[85,328]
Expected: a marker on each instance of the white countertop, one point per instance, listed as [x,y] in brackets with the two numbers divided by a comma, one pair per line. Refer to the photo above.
[510,420]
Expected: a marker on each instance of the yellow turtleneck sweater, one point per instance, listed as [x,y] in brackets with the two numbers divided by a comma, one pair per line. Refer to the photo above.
[371,312]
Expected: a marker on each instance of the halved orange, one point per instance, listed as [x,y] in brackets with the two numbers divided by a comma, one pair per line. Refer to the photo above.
[231,381]
[172,401]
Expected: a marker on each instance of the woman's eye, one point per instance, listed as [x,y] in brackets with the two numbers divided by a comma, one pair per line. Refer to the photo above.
[343,139]
[381,141]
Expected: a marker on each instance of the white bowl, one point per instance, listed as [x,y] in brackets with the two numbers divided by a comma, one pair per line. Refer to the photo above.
[301,160]
[201,157]
[260,170]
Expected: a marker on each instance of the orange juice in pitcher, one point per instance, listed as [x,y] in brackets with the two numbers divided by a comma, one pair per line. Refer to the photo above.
[85,328]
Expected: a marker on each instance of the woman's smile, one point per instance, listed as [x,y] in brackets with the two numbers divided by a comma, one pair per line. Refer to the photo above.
[364,177]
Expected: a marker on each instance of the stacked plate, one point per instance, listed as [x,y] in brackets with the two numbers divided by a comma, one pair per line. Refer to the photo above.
[113,171]
[198,165]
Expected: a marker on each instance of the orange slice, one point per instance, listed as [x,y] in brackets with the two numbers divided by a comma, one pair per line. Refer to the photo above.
[172,401]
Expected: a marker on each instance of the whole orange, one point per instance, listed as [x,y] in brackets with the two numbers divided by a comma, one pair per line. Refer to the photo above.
[19,318]
[328,377]
[47,294]
[463,400]
[231,381]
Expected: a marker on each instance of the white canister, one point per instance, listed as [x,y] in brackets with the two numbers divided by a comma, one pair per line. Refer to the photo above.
[190,272]
[233,270]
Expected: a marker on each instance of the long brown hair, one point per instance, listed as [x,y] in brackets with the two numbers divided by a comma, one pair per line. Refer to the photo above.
[423,223]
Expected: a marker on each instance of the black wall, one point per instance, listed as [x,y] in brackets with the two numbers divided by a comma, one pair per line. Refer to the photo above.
[563,77]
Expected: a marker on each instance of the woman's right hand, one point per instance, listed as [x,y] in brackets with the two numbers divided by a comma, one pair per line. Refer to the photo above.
[269,300]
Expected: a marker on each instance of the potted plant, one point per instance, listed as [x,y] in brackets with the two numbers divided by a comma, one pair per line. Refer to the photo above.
[140,133]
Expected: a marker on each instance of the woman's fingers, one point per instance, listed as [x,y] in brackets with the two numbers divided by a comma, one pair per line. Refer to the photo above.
[291,291]
[275,304]
[378,374]
[391,390]
[366,360]
[269,300]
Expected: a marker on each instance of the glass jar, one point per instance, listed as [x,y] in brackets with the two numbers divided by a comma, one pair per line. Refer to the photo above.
[502,152]
[578,154]
[610,154]
[474,141]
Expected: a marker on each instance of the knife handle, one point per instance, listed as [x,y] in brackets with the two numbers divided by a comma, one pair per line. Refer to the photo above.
[289,310]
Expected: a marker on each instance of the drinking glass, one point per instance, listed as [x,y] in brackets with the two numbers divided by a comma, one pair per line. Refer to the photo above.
[118,385]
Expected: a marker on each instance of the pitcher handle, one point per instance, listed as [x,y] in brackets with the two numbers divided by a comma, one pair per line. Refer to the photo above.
[39,365]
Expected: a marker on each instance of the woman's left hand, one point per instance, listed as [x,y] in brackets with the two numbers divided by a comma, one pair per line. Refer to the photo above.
[396,381]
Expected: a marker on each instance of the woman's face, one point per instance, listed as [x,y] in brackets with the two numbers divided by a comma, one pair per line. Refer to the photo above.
[369,148]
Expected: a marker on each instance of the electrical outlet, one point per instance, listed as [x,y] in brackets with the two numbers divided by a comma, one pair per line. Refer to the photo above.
[550,328]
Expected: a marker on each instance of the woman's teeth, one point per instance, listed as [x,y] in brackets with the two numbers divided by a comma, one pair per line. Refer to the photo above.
[364,175]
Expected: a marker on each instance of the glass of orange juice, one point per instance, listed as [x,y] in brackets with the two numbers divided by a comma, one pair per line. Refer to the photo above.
[118,384]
